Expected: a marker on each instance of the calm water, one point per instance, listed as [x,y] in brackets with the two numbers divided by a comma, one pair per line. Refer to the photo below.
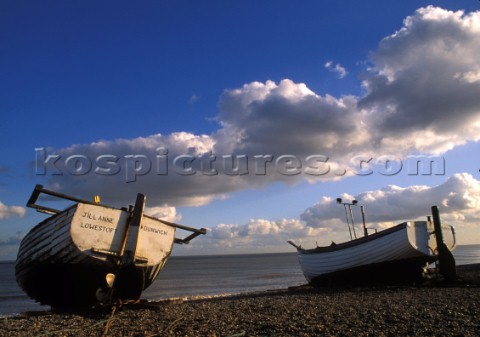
[202,276]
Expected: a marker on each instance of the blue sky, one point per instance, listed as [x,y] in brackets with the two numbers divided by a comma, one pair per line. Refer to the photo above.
[388,80]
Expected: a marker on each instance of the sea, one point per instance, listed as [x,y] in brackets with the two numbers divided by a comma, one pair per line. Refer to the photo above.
[192,277]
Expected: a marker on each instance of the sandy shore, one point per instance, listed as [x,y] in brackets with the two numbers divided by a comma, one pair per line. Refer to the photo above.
[429,310]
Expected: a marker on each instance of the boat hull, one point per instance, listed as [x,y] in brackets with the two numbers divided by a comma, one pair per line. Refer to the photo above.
[397,254]
[388,272]
[64,260]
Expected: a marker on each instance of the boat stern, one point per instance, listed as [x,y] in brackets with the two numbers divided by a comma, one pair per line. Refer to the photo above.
[421,235]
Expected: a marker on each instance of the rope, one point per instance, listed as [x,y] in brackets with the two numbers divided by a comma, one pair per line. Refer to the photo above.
[49,333]
[110,319]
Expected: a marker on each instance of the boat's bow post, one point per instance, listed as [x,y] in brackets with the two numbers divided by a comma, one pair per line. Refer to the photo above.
[126,272]
[446,260]
[133,229]
[294,245]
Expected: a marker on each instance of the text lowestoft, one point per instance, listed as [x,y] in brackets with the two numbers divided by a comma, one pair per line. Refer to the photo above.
[96,227]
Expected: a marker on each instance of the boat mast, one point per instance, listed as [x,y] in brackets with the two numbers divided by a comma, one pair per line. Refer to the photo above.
[365,231]
[347,213]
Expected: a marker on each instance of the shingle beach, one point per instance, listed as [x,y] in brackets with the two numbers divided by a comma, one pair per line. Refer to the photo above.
[403,310]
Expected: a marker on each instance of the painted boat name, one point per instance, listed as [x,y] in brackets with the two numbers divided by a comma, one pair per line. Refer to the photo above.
[106,219]
[99,228]
[102,218]
[154,230]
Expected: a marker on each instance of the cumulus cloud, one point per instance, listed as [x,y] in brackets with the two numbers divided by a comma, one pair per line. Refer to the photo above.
[9,211]
[289,118]
[118,169]
[421,97]
[458,199]
[338,69]
[167,213]
[258,233]
[193,99]
[424,80]
[260,122]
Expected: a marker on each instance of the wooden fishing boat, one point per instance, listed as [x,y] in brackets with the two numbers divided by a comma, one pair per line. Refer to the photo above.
[91,253]
[397,254]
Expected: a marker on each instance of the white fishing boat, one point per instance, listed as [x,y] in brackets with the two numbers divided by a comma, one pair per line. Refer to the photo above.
[91,253]
[397,254]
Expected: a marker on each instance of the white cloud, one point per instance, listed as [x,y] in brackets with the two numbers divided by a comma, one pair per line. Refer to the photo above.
[255,119]
[458,199]
[9,211]
[193,99]
[167,213]
[143,164]
[259,234]
[421,98]
[423,80]
[289,118]
[469,76]
[338,69]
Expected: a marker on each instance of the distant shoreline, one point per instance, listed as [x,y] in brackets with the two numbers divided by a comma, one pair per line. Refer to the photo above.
[248,254]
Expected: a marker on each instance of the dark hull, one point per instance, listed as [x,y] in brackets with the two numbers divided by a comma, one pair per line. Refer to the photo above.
[65,285]
[91,253]
[392,272]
